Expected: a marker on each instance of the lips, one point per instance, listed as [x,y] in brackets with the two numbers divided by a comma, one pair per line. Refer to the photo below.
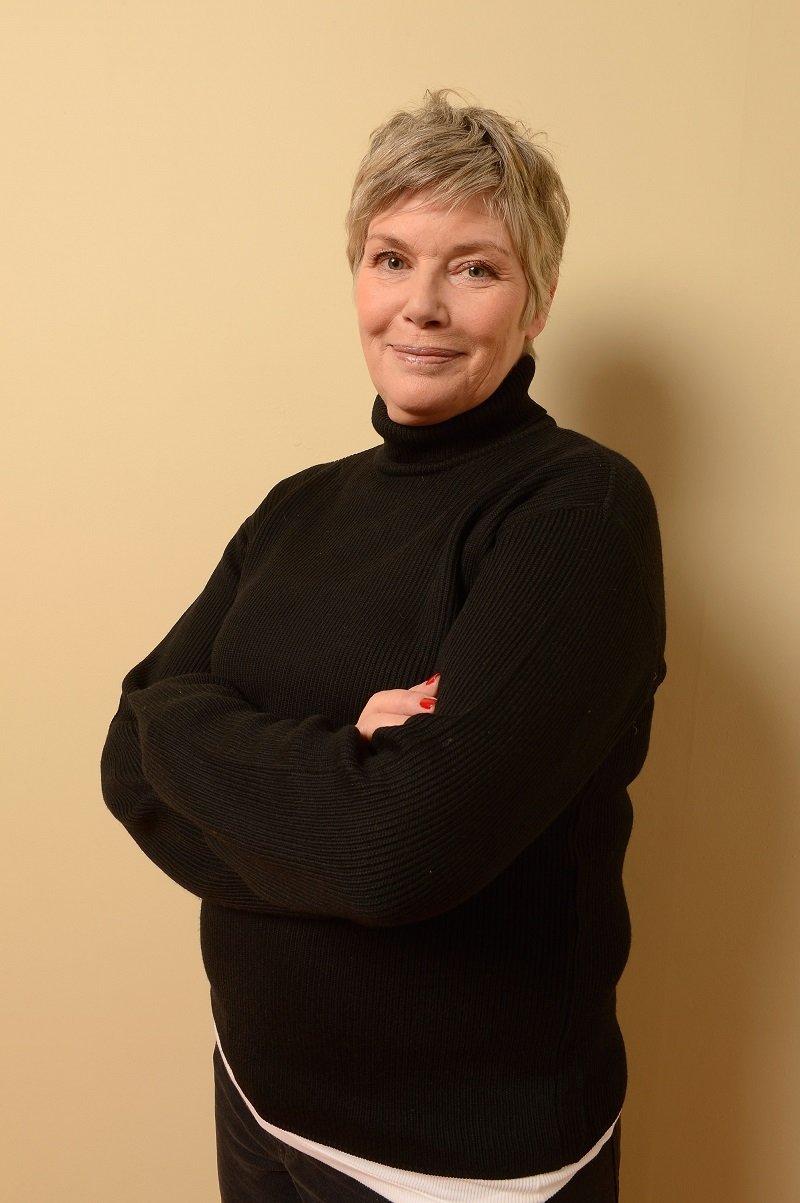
[431,354]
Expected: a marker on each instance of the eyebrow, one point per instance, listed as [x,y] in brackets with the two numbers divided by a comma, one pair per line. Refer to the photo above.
[461,248]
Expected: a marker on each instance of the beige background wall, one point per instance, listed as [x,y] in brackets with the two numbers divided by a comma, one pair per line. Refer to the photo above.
[177,333]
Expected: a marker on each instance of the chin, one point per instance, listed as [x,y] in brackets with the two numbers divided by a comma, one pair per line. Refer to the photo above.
[425,401]
[418,410]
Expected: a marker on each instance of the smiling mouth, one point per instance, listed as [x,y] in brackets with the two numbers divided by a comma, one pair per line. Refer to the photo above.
[423,354]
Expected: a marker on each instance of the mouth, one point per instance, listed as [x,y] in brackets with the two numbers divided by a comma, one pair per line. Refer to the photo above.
[424,354]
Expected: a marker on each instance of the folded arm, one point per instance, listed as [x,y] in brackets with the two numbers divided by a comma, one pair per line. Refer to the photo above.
[554,655]
[175,844]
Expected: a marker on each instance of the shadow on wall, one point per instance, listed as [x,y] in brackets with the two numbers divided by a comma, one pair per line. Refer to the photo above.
[708,860]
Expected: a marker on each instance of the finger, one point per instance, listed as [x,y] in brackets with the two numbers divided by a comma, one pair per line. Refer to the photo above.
[411,704]
[409,707]
[368,725]
[430,686]
[404,701]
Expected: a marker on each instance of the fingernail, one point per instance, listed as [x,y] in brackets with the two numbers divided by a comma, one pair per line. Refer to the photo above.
[431,680]
[428,703]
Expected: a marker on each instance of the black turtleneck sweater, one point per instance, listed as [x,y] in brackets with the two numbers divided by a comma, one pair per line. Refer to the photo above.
[413,944]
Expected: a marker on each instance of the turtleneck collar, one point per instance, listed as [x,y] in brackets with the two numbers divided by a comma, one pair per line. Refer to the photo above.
[468,433]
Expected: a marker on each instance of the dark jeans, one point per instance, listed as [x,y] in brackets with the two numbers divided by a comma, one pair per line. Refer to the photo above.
[255,1167]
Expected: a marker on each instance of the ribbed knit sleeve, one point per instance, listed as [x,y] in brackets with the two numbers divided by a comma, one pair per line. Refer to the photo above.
[553,658]
[176,845]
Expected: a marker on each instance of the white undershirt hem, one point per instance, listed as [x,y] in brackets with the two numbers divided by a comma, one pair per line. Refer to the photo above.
[406,1186]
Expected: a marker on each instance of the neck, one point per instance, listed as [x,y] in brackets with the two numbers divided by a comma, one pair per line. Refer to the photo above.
[508,408]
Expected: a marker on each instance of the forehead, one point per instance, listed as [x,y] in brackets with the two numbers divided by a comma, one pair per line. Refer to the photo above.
[418,214]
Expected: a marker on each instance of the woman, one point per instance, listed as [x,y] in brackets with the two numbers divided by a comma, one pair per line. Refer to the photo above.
[389,744]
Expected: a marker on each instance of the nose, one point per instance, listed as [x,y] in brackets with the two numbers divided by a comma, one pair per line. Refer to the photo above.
[424,302]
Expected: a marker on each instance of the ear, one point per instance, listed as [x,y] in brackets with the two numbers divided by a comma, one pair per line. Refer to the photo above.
[539,322]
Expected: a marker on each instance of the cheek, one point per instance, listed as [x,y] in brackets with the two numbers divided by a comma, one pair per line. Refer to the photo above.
[504,330]
[361,298]
[371,313]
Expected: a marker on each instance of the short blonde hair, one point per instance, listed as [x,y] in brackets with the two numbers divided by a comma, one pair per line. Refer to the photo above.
[456,152]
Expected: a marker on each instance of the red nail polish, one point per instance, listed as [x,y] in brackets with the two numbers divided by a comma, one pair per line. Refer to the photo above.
[431,680]
[428,703]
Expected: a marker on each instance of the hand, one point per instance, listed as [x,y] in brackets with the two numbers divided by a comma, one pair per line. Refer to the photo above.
[393,707]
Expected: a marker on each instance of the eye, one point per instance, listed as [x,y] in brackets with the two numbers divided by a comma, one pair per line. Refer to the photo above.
[390,260]
[478,271]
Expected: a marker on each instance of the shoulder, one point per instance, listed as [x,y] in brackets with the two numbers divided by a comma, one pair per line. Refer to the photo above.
[566,468]
[598,492]
[574,499]
[548,469]
[307,486]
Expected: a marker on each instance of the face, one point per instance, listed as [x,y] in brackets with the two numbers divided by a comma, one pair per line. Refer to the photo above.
[440,295]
